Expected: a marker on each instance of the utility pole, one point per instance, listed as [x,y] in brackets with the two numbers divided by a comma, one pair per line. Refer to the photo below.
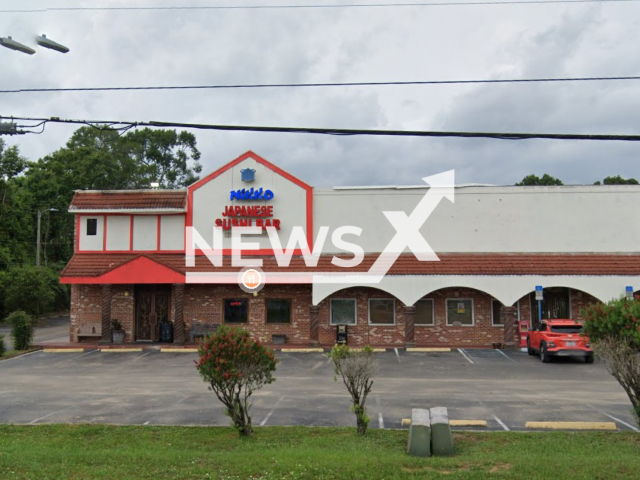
[40,212]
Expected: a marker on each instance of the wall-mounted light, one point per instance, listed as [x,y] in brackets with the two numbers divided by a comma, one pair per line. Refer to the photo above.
[628,290]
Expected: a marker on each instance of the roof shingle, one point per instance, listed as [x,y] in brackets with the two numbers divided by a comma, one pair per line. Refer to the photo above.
[133,200]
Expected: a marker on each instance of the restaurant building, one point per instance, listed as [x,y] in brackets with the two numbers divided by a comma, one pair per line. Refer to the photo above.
[495,245]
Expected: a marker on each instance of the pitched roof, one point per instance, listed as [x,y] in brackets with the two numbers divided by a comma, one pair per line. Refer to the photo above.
[129,200]
[95,265]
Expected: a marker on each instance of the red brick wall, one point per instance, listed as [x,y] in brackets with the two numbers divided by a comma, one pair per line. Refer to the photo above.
[204,304]
[482,334]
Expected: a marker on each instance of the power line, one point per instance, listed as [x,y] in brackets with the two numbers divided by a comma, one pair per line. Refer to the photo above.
[330,84]
[109,124]
[311,6]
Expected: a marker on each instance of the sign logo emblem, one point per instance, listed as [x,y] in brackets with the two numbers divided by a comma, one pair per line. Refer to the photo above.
[251,279]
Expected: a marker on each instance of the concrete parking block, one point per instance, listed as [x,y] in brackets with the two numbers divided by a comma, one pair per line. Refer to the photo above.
[179,350]
[302,350]
[425,349]
[63,350]
[468,423]
[120,350]
[572,425]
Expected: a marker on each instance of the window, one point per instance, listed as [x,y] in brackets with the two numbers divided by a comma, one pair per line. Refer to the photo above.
[424,312]
[278,311]
[566,328]
[496,306]
[343,311]
[92,226]
[382,311]
[235,311]
[460,311]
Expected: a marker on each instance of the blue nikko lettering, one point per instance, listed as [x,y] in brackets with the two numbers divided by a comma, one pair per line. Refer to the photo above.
[251,194]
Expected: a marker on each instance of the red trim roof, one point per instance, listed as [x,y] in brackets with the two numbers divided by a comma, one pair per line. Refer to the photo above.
[94,265]
[133,200]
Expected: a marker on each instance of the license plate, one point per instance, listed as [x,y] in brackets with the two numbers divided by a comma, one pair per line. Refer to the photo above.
[570,344]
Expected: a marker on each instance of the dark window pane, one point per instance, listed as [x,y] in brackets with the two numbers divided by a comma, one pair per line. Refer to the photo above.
[343,312]
[382,311]
[566,328]
[495,312]
[235,311]
[278,311]
[424,312]
[459,311]
[92,226]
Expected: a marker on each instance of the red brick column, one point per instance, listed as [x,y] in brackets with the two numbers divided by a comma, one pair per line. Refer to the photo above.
[314,325]
[409,326]
[178,321]
[105,291]
[509,318]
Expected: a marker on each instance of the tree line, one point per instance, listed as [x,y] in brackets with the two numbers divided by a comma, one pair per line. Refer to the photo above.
[92,159]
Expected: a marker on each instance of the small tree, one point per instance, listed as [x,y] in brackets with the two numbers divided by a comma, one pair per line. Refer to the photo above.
[357,369]
[235,366]
[3,348]
[21,329]
[614,332]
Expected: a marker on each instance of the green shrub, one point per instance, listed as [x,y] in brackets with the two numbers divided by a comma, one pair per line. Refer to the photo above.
[357,368]
[614,333]
[3,348]
[235,366]
[21,329]
[31,289]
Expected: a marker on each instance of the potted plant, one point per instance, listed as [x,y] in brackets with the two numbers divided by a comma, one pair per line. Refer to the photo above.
[117,332]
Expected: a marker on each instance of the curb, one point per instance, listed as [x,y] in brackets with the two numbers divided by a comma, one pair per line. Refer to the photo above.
[572,425]
[179,350]
[468,423]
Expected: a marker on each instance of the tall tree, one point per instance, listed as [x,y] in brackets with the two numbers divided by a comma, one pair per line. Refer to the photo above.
[618,180]
[546,179]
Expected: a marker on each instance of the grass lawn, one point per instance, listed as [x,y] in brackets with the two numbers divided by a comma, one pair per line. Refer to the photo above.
[112,452]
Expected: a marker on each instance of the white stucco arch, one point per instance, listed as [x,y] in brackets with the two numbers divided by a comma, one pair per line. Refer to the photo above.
[508,289]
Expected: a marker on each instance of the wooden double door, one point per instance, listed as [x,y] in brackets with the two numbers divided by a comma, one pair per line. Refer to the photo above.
[152,309]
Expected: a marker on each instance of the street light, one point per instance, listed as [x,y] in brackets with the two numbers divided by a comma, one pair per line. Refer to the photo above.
[43,41]
[40,212]
[13,45]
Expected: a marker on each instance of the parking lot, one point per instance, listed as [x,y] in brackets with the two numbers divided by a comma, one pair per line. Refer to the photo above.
[506,389]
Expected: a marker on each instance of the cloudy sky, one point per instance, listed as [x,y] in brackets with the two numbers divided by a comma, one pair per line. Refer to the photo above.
[195,47]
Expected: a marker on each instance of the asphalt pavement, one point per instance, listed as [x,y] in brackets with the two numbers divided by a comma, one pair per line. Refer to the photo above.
[506,389]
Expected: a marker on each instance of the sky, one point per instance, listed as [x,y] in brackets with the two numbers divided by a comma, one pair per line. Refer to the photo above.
[196,47]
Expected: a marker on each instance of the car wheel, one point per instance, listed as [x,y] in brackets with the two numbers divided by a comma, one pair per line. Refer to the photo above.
[530,350]
[588,359]
[544,356]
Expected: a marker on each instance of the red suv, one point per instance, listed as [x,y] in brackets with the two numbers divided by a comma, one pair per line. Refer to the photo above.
[559,338]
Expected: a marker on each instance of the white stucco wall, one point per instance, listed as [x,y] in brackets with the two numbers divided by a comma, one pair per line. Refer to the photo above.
[91,242]
[494,219]
[171,232]
[145,232]
[289,202]
[118,232]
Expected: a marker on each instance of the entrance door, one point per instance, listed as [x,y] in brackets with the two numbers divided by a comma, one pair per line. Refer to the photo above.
[556,304]
[152,308]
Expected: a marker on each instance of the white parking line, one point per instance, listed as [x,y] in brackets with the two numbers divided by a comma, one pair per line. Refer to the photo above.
[46,416]
[501,423]
[78,356]
[397,355]
[507,356]
[462,352]
[380,420]
[629,426]
[317,365]
[264,422]
[20,356]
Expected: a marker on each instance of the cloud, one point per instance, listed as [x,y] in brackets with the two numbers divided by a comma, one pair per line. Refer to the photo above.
[316,45]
